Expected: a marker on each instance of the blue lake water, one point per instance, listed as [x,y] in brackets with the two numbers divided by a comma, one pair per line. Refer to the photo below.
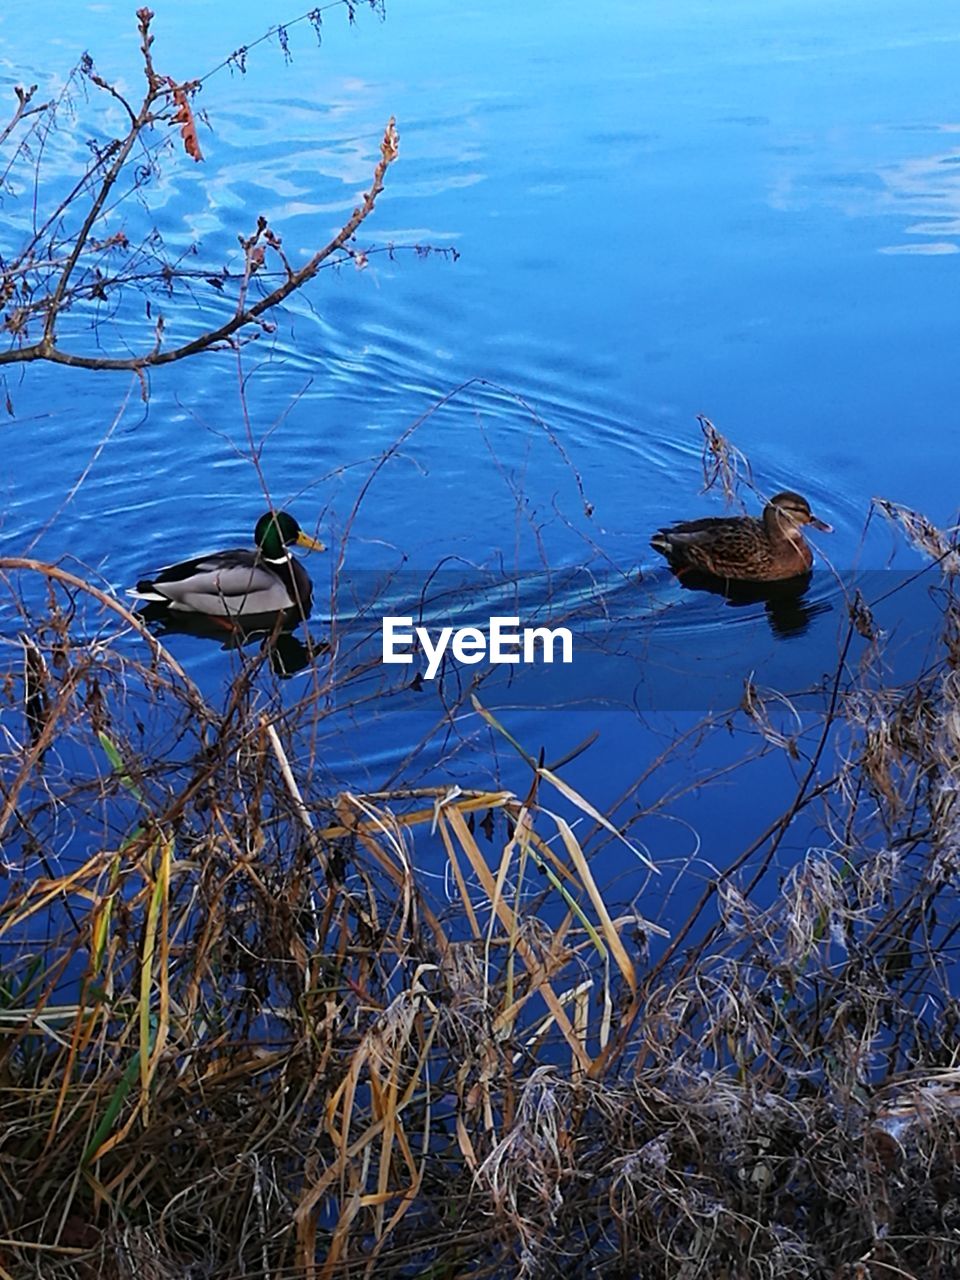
[750,212]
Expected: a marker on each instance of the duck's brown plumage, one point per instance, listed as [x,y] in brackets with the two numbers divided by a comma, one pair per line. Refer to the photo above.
[770,548]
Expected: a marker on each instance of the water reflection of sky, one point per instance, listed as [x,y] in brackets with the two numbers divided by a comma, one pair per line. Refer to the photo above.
[747,211]
[919,196]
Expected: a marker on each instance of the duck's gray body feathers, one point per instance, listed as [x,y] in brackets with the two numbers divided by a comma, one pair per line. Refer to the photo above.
[237,583]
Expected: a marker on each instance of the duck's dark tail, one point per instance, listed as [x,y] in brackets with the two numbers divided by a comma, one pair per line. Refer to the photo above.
[145,590]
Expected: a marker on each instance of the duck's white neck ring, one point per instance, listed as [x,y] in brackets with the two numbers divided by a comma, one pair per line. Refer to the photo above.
[284,559]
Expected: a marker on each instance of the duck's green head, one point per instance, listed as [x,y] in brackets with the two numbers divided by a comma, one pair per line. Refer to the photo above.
[277,530]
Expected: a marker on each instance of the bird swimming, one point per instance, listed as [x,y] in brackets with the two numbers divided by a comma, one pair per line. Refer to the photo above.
[246,586]
[769,548]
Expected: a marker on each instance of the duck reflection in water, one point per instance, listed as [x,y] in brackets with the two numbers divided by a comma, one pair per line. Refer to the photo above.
[788,612]
[288,654]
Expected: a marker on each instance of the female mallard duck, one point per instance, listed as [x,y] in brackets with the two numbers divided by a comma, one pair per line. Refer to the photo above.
[744,548]
[242,585]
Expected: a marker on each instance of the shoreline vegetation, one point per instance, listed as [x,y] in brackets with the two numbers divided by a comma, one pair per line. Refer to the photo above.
[242,1034]
[245,1033]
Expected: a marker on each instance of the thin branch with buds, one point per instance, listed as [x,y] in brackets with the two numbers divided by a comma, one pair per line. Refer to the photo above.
[48,279]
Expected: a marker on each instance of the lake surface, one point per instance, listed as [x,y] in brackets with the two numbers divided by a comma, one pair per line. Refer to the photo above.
[751,213]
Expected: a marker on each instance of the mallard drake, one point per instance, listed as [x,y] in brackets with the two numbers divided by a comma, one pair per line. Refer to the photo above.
[744,548]
[240,585]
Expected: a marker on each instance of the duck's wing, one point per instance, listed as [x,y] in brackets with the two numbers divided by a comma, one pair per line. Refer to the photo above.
[225,583]
[712,527]
[724,547]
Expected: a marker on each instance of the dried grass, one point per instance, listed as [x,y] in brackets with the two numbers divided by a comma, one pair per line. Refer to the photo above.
[239,1034]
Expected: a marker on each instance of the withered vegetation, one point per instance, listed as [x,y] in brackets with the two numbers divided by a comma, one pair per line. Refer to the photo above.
[244,1032]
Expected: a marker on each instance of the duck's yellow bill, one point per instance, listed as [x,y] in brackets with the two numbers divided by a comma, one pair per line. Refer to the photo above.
[304,540]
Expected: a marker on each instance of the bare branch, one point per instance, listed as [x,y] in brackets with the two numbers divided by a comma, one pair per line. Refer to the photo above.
[24,97]
[245,316]
[63,268]
[144,18]
[143,117]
